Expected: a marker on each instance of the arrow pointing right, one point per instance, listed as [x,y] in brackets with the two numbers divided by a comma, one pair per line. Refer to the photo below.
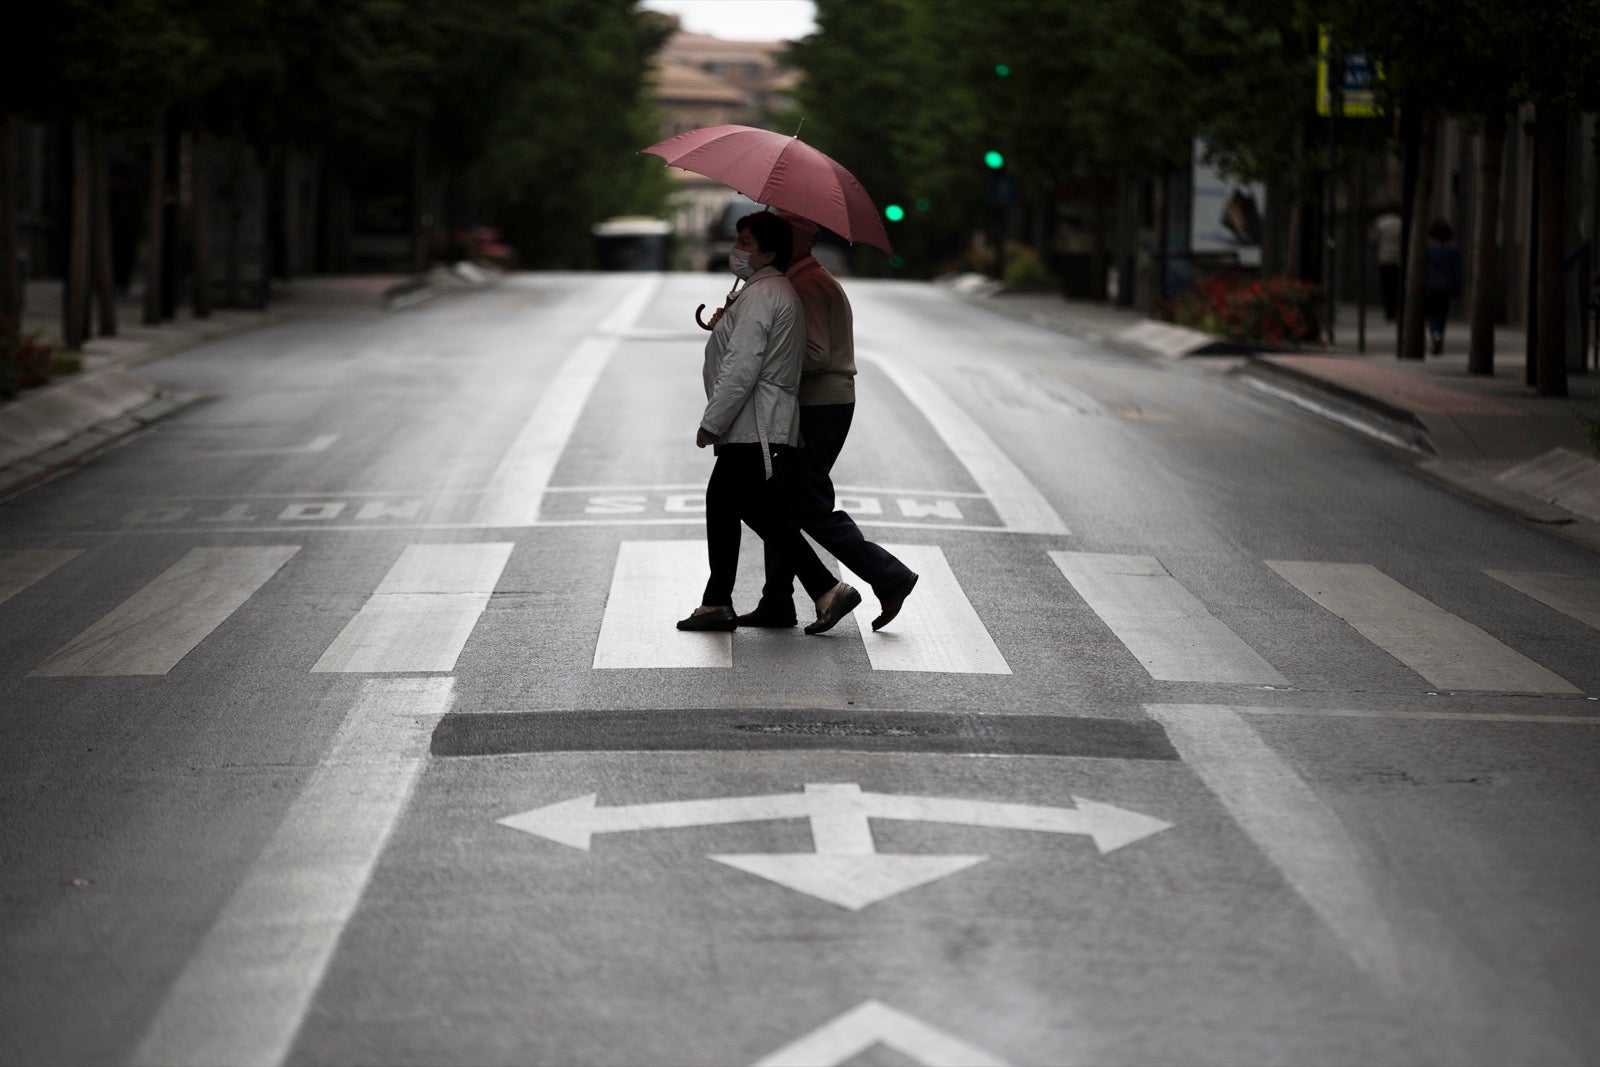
[1111,827]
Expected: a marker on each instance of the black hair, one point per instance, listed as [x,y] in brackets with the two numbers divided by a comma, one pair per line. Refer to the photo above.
[772,234]
[1440,230]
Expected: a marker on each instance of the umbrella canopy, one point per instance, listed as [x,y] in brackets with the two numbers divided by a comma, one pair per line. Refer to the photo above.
[780,171]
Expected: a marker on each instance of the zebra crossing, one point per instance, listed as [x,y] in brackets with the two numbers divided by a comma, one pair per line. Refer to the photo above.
[429,604]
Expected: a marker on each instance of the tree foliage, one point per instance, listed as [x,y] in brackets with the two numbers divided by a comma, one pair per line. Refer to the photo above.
[911,93]
[536,107]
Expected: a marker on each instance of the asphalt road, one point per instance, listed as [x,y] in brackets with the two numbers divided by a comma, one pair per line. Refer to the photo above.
[345,721]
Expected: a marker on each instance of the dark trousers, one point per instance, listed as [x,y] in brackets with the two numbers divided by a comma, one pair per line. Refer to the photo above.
[808,492]
[740,491]
[1389,282]
[1435,309]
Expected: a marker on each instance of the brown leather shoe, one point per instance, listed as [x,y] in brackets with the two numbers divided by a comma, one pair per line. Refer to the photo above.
[892,602]
[710,618]
[765,616]
[836,605]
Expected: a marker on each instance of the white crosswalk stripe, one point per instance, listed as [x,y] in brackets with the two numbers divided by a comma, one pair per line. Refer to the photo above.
[422,613]
[654,584]
[1168,630]
[22,568]
[937,631]
[160,624]
[1568,594]
[1448,651]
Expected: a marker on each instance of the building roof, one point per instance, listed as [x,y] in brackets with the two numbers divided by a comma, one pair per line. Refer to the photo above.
[686,47]
[679,84]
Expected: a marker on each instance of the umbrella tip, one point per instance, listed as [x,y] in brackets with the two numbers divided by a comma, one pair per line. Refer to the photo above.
[800,127]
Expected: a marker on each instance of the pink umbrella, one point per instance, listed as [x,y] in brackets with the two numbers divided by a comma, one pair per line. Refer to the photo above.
[780,171]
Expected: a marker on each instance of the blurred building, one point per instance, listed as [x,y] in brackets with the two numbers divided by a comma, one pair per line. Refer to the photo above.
[706,81]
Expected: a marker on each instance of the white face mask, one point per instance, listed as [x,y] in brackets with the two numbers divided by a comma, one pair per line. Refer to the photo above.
[739,263]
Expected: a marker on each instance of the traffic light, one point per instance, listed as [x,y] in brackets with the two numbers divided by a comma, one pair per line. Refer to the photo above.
[993,160]
[894,212]
[1002,70]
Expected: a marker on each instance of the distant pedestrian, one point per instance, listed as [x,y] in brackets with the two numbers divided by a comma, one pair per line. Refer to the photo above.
[1444,280]
[1386,236]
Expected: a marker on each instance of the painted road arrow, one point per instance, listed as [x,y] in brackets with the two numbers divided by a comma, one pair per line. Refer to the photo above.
[871,1023]
[846,868]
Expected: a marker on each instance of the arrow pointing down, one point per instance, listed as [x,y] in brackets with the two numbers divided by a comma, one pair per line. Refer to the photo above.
[846,868]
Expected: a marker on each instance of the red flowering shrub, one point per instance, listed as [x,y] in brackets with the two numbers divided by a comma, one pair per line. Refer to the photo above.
[1276,312]
[24,365]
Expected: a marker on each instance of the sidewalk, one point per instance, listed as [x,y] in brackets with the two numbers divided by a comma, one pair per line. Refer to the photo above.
[1488,436]
[63,422]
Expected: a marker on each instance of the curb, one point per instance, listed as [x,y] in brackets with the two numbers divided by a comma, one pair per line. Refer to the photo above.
[89,441]
[64,423]
[438,280]
[1359,411]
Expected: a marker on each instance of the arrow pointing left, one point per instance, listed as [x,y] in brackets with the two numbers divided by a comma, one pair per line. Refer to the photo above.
[573,822]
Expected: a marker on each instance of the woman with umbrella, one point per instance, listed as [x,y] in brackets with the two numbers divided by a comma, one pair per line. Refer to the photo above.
[751,418]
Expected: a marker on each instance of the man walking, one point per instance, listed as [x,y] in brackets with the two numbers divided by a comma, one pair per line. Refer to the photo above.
[827,405]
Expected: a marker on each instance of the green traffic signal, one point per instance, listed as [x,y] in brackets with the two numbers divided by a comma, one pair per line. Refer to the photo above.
[993,160]
[1003,70]
[894,212]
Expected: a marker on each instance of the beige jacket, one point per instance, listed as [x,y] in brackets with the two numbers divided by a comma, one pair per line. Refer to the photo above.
[752,366]
[828,375]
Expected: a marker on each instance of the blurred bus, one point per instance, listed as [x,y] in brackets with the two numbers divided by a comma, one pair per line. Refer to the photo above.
[633,242]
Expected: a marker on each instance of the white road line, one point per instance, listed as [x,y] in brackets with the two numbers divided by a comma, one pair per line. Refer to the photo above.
[1411,713]
[243,994]
[937,630]
[1301,835]
[656,583]
[21,568]
[1448,651]
[1567,593]
[1166,627]
[1021,507]
[422,613]
[320,443]
[517,486]
[146,531]
[870,1023]
[160,624]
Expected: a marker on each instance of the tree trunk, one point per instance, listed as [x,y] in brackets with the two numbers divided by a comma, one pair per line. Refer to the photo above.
[1486,256]
[419,183]
[75,295]
[1550,136]
[337,207]
[105,285]
[200,222]
[231,244]
[1097,253]
[290,210]
[153,224]
[10,282]
[1412,334]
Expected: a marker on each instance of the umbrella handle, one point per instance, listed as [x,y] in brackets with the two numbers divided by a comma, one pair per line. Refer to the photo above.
[699,320]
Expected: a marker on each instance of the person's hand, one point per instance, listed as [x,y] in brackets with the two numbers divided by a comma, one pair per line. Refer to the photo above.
[701,438]
[716,317]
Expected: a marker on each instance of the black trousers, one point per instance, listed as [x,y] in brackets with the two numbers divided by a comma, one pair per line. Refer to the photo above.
[1436,311]
[740,491]
[1389,283]
[808,492]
